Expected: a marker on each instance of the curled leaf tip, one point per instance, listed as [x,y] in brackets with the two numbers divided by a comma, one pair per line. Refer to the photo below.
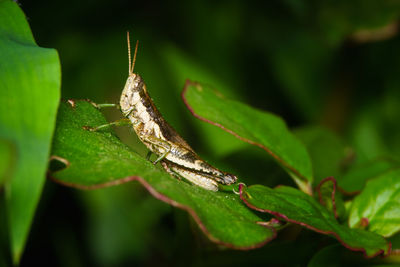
[58,163]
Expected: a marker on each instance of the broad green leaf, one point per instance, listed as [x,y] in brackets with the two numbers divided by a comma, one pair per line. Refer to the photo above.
[98,159]
[7,162]
[29,96]
[294,206]
[326,151]
[378,205]
[256,127]
[354,180]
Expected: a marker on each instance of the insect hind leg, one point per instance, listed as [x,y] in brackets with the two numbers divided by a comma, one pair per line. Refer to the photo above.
[170,171]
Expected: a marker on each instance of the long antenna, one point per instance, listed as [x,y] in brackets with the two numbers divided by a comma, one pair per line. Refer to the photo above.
[129,51]
[131,63]
[134,56]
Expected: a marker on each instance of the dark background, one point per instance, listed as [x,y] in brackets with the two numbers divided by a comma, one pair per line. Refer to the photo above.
[331,63]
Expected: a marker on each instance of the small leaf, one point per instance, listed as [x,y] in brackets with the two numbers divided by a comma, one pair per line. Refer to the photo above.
[378,205]
[294,206]
[256,127]
[98,159]
[29,96]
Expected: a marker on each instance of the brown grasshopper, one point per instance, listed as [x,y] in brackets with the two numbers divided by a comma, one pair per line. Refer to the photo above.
[175,155]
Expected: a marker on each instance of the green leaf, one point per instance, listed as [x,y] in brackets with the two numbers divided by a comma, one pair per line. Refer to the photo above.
[29,96]
[294,206]
[256,127]
[354,180]
[99,159]
[7,162]
[326,151]
[378,205]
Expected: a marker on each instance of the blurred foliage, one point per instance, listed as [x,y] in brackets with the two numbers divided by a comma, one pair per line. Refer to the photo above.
[29,95]
[255,127]
[328,63]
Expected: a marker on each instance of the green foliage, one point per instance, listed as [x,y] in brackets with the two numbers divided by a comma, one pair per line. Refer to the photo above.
[332,65]
[99,159]
[378,204]
[253,126]
[29,95]
[297,207]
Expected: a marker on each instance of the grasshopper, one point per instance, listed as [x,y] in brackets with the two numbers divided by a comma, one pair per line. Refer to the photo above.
[175,155]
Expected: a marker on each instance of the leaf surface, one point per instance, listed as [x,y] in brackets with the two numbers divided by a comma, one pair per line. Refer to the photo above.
[378,205]
[294,206]
[29,96]
[256,127]
[98,159]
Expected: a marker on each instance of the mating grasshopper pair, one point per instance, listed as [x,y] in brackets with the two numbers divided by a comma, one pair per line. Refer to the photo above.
[175,155]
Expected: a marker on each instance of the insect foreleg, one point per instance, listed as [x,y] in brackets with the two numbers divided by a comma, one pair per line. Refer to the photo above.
[121,122]
[105,105]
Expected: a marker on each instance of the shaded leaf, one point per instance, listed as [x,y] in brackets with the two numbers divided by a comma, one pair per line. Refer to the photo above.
[256,127]
[294,206]
[98,159]
[336,255]
[29,96]
[378,205]
[7,162]
[327,256]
